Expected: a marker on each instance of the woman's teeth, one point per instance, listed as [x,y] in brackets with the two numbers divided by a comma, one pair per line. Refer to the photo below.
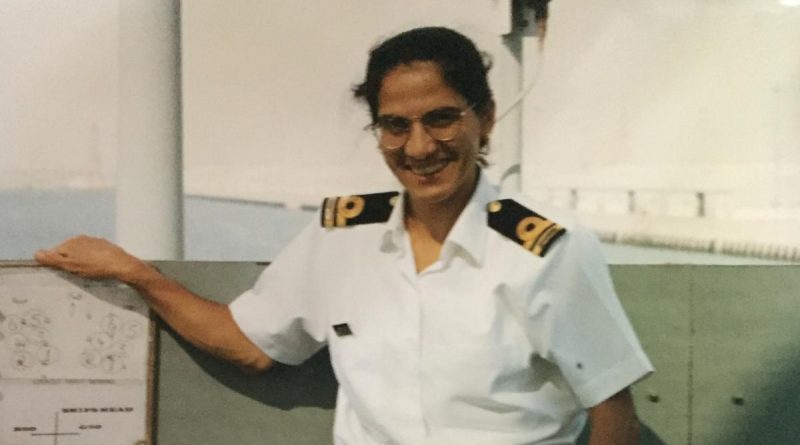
[428,169]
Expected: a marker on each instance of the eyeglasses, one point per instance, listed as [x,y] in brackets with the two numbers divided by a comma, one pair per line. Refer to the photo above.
[442,124]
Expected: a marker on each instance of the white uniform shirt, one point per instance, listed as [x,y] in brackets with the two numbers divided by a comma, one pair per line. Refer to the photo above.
[491,344]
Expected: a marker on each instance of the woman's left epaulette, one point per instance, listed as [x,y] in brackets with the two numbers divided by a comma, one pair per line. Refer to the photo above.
[525,227]
[343,211]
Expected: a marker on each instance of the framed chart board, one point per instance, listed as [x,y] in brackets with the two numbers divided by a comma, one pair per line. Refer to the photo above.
[76,360]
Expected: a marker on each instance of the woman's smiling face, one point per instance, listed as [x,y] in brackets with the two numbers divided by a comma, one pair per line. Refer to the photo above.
[432,171]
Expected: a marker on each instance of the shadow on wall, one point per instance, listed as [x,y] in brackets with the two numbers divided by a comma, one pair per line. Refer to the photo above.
[772,418]
[311,384]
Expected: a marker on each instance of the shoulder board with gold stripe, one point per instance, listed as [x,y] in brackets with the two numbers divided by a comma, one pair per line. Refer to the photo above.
[525,227]
[343,211]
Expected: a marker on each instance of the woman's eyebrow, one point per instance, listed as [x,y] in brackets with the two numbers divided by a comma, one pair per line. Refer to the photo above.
[446,107]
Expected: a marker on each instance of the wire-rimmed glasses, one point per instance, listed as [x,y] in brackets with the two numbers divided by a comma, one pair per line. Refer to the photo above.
[442,124]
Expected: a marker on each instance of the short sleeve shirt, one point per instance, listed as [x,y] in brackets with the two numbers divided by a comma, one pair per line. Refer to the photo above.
[489,344]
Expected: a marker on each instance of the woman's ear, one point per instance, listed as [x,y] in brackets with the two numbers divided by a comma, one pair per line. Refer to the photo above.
[487,120]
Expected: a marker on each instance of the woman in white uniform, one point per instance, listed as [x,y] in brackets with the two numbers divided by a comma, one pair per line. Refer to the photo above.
[455,313]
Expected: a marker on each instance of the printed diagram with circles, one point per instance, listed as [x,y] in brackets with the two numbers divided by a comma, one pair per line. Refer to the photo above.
[29,338]
[108,348]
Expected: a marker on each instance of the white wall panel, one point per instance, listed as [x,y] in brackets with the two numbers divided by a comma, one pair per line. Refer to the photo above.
[686,94]
[58,77]
[268,109]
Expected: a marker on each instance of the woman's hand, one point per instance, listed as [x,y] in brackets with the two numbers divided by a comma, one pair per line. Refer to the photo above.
[91,257]
[204,323]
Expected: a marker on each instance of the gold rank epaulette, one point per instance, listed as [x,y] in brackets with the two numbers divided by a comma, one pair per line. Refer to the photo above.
[525,227]
[343,211]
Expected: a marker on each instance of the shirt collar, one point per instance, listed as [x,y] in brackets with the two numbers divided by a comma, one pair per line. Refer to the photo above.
[468,233]
[470,230]
[392,240]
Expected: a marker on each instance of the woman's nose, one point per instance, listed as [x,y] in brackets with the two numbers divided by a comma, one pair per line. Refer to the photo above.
[420,144]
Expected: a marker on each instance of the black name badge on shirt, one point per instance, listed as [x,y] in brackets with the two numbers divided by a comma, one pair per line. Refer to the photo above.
[342,330]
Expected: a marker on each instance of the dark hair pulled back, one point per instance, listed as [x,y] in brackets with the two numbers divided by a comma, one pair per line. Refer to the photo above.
[464,68]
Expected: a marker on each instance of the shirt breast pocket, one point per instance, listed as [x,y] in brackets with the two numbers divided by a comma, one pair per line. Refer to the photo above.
[363,367]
